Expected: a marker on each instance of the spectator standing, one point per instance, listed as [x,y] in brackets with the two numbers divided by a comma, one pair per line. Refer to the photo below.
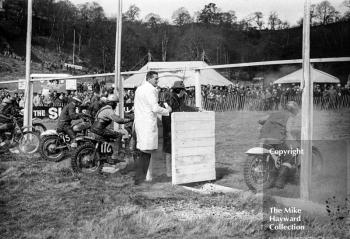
[176,100]
[146,112]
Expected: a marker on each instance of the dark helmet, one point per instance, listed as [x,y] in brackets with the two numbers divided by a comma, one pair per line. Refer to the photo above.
[292,107]
[178,85]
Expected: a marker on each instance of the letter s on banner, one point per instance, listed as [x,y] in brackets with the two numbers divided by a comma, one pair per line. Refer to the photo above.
[53,114]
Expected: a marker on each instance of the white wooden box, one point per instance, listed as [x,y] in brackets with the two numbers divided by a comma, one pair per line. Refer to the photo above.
[193,147]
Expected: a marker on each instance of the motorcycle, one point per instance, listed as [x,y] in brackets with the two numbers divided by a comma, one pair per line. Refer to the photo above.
[15,133]
[55,144]
[96,152]
[263,163]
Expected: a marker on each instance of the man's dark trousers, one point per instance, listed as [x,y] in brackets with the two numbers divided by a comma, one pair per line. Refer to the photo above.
[141,167]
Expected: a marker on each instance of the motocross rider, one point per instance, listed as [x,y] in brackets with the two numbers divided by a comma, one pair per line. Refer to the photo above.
[67,115]
[7,111]
[274,132]
[104,118]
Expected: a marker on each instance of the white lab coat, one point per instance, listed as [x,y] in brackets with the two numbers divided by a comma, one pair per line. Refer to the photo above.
[146,111]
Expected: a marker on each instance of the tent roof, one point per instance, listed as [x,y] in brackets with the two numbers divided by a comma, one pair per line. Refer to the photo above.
[183,70]
[316,76]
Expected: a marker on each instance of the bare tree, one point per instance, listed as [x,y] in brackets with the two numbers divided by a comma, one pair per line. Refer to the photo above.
[273,20]
[346,4]
[326,13]
[181,17]
[254,20]
[228,17]
[133,13]
[153,19]
[258,16]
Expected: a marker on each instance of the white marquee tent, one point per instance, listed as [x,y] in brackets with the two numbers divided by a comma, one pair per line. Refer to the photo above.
[317,76]
[183,71]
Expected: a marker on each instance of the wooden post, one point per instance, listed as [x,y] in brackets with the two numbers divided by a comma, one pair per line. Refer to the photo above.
[307,110]
[118,82]
[27,121]
[73,45]
[348,179]
[198,89]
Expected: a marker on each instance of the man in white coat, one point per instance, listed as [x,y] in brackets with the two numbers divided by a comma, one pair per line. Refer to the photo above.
[146,112]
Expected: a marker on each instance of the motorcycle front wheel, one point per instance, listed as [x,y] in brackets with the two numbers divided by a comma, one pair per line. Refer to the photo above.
[259,174]
[84,159]
[48,148]
[28,143]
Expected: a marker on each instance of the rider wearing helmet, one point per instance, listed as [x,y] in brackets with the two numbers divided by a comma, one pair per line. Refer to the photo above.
[274,132]
[8,107]
[67,115]
[104,119]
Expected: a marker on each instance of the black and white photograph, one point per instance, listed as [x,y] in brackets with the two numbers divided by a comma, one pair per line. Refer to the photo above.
[129,119]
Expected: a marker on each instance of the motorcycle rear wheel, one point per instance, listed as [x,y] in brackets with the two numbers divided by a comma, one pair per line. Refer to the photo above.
[28,143]
[84,160]
[47,153]
[259,174]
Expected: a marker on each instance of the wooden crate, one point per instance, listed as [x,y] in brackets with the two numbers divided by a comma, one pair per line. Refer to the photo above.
[193,147]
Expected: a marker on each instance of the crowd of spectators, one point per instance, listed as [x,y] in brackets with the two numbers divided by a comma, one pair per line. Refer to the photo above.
[270,96]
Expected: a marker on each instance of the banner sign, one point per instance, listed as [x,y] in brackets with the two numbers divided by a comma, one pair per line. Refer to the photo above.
[47,112]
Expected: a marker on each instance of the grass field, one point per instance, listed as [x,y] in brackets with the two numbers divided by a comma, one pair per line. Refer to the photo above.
[41,199]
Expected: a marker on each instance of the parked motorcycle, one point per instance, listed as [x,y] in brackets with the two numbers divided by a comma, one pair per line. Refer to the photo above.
[11,135]
[94,154]
[262,165]
[55,144]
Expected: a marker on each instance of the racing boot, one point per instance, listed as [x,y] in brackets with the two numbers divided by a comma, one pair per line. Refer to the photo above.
[74,144]
[282,177]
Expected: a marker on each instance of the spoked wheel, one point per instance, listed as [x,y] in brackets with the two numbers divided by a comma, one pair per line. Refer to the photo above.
[29,143]
[84,160]
[49,150]
[259,174]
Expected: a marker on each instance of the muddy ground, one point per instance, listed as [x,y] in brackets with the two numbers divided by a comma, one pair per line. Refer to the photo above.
[42,199]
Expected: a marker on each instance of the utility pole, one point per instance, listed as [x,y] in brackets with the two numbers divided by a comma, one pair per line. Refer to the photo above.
[27,121]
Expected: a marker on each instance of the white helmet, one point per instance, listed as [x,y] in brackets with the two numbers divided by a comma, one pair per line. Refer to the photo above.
[77,99]
[112,98]
[103,99]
